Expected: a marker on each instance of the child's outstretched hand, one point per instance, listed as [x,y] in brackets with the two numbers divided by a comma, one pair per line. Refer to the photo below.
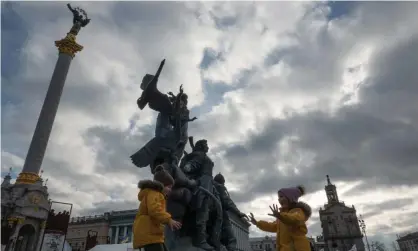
[242,215]
[174,225]
[275,211]
[252,219]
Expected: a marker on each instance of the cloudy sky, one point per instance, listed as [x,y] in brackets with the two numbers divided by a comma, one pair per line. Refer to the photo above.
[285,93]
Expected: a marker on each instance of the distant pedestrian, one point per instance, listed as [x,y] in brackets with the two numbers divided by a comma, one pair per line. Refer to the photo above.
[290,223]
[148,228]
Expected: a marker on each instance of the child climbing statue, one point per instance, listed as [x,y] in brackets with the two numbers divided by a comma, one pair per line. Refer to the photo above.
[290,223]
[148,228]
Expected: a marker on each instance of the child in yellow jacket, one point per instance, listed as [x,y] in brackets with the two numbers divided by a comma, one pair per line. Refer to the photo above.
[290,223]
[148,227]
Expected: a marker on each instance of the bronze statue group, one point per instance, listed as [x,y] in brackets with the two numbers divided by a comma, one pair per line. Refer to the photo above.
[184,200]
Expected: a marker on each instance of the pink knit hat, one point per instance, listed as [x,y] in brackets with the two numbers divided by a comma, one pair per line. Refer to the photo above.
[292,193]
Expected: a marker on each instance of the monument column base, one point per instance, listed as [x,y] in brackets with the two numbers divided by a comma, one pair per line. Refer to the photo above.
[27,178]
[26,207]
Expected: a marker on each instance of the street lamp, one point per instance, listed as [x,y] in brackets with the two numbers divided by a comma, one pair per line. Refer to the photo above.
[362,225]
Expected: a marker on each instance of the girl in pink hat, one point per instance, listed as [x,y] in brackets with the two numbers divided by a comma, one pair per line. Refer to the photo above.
[290,223]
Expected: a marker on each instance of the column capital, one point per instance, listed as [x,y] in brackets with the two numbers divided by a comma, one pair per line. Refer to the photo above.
[68,45]
[27,178]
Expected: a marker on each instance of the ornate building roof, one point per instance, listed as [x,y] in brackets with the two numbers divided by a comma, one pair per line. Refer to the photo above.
[333,200]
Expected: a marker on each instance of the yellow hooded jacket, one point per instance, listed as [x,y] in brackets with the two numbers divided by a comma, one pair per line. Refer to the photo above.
[290,228]
[149,222]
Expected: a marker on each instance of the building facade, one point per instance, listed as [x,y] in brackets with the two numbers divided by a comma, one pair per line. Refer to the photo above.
[120,226]
[80,227]
[319,244]
[241,230]
[340,225]
[408,242]
[266,243]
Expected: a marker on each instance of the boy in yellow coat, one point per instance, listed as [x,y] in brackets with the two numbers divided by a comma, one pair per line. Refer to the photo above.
[290,223]
[148,228]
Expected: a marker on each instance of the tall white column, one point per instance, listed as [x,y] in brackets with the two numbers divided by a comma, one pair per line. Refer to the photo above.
[125,231]
[67,48]
[117,235]
[109,233]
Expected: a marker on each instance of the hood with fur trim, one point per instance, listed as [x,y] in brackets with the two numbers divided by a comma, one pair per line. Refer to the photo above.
[151,184]
[147,186]
[305,208]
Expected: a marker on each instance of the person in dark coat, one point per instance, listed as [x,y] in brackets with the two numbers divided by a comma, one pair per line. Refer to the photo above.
[228,238]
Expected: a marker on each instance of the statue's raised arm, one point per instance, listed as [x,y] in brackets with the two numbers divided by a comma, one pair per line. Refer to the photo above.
[75,12]
[80,19]
[85,22]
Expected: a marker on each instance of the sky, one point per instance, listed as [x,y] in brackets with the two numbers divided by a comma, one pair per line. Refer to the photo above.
[285,93]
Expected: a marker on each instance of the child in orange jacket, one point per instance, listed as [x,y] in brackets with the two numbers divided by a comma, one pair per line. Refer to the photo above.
[148,227]
[290,223]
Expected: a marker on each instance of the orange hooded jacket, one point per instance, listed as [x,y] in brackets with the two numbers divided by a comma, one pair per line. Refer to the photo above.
[148,227]
[291,229]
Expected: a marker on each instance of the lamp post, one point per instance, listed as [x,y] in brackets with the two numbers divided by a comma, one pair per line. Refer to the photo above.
[362,225]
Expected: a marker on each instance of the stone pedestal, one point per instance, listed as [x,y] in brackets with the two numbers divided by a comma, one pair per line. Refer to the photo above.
[25,207]
[185,244]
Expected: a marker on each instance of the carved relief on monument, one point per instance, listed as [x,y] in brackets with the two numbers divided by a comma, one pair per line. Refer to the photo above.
[34,204]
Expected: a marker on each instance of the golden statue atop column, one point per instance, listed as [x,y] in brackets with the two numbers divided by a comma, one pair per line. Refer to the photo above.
[68,44]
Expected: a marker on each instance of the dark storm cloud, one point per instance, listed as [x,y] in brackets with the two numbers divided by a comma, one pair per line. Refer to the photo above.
[358,142]
[371,214]
[116,147]
[12,25]
[149,14]
[209,57]
[339,9]
[225,22]
[403,219]
[383,19]
[394,81]
[393,204]
[316,55]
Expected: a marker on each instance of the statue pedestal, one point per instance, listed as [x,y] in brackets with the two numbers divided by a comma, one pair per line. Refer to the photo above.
[185,244]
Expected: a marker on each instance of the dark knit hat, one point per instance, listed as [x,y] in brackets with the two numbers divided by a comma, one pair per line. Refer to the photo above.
[219,178]
[163,176]
[292,193]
